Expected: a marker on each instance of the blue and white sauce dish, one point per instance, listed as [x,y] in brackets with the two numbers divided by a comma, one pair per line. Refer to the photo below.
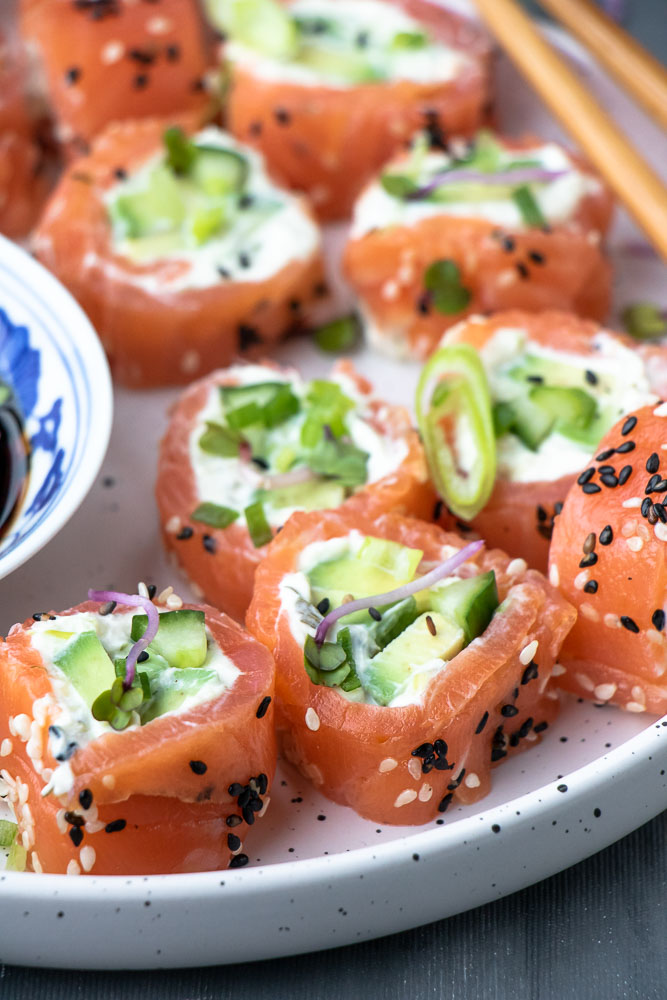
[51,358]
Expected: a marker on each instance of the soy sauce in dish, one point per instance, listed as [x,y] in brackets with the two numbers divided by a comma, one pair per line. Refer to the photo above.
[14,457]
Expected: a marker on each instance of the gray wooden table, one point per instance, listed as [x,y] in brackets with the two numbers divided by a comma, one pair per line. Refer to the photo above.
[595,932]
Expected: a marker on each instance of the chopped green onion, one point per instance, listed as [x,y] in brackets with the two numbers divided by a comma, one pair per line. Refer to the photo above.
[525,201]
[181,152]
[351,682]
[645,320]
[443,279]
[8,832]
[398,186]
[341,461]
[214,515]
[339,335]
[244,416]
[219,440]
[409,40]
[258,526]
[457,431]
[283,405]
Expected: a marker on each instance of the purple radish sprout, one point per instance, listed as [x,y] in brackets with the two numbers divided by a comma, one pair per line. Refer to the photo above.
[523,175]
[134,601]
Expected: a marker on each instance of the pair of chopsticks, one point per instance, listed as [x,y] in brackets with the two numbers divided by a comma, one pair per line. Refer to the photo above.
[635,183]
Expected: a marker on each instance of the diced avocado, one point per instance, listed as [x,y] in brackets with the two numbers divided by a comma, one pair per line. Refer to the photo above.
[173,689]
[392,667]
[313,495]
[181,637]
[218,171]
[87,665]
[470,603]
[409,40]
[348,65]
[205,220]
[394,621]
[160,208]
[264,25]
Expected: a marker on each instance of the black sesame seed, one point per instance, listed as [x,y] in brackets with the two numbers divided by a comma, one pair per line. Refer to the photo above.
[588,560]
[591,587]
[624,475]
[653,462]
[445,802]
[589,543]
[522,270]
[74,819]
[235,789]
[72,75]
[198,767]
[536,257]
[660,486]
[629,623]
[658,619]
[607,453]
[585,476]
[591,488]
[558,506]
[209,543]
[652,516]
[525,727]
[545,530]
[142,657]
[629,425]
[140,81]
[430,625]
[652,484]
[76,835]
[255,128]
[540,727]
[661,511]
[537,379]
[120,174]
[509,711]
[438,508]
[598,812]
[248,814]
[233,820]
[530,673]
[440,748]
[497,754]
[248,336]
[609,479]
[482,722]
[85,798]
[607,468]
[259,462]
[591,377]
[185,533]
[624,448]
[324,605]
[239,861]
[496,828]
[541,513]
[423,750]
[646,506]
[375,614]
[223,272]
[244,260]
[606,535]
[115,826]
[282,116]
[143,56]
[561,788]
[508,244]
[173,53]
[233,842]
[424,303]
[106,609]
[198,84]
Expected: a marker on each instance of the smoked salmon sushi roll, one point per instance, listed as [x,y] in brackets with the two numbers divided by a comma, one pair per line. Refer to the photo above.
[407,663]
[608,558]
[107,60]
[329,91]
[248,446]
[497,225]
[181,250]
[556,384]
[137,737]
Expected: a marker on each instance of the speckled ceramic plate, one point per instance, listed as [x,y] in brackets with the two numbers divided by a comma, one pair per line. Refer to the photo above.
[319,876]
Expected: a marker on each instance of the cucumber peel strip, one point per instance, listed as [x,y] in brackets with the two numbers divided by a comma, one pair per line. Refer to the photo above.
[454,402]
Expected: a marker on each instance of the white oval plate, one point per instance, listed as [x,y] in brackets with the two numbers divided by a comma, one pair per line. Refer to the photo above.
[320,876]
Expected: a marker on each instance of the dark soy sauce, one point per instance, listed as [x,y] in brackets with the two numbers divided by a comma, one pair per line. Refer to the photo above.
[14,457]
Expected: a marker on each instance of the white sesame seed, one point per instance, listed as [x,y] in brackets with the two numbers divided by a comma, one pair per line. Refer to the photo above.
[425,793]
[159,25]
[516,567]
[172,527]
[108,781]
[174,601]
[190,362]
[142,589]
[554,575]
[642,531]
[407,795]
[22,791]
[588,611]
[167,592]
[312,719]
[390,290]
[87,857]
[36,863]
[603,692]
[415,768]
[584,681]
[635,543]
[10,723]
[238,849]
[612,621]
[634,706]
[197,591]
[94,826]
[660,530]
[506,277]
[558,670]
[265,806]
[472,780]
[22,727]
[34,749]
[112,52]
[28,838]
[581,579]
[6,747]
[528,652]
[46,774]
[661,410]
[628,528]
[632,502]
[638,694]
[388,764]
[655,637]
[406,274]
[61,822]
[26,815]
[73,868]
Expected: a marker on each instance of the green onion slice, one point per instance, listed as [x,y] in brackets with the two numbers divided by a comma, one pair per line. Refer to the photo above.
[7,833]
[214,515]
[645,320]
[181,151]
[219,440]
[339,335]
[525,201]
[454,415]
[443,279]
[259,528]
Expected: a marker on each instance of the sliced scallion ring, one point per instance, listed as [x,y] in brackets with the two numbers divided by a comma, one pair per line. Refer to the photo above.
[525,201]
[455,419]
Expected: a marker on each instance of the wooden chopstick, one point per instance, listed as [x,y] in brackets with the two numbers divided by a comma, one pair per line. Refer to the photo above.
[625,59]
[636,185]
